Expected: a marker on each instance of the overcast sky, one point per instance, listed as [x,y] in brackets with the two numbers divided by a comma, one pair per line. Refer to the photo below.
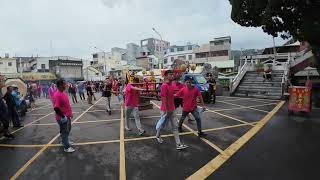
[75,26]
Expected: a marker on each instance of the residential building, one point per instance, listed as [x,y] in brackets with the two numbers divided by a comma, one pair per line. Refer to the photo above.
[148,62]
[120,71]
[133,51]
[105,61]
[218,49]
[152,46]
[66,67]
[90,73]
[184,53]
[8,65]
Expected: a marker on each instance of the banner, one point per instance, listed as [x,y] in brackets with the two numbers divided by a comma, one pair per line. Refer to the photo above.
[300,99]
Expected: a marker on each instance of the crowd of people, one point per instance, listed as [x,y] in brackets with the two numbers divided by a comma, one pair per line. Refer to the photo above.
[172,91]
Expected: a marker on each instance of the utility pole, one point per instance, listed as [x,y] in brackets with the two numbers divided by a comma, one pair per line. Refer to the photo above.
[274,52]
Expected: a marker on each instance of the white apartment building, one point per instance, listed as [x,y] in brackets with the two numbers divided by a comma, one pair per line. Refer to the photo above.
[152,46]
[8,65]
[184,53]
[217,50]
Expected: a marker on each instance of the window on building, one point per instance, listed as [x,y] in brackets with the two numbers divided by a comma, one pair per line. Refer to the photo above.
[219,53]
[9,63]
[150,60]
[180,49]
[95,55]
[149,53]
[165,61]
[43,66]
[172,59]
[143,53]
[171,49]
[189,47]
[189,57]
[182,57]
[218,43]
[202,55]
[1,63]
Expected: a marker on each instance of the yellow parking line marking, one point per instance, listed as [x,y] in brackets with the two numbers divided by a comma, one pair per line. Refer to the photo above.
[26,125]
[228,109]
[25,166]
[236,119]
[243,106]
[215,163]
[95,121]
[103,110]
[193,132]
[122,167]
[126,140]
[204,139]
[21,145]
[88,143]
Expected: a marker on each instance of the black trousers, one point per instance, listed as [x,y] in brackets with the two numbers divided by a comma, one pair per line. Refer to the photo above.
[14,116]
[4,120]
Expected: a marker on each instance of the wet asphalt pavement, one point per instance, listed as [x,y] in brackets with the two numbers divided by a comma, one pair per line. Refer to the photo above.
[98,155]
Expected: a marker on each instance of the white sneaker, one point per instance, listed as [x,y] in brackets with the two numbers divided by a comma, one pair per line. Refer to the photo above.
[160,140]
[69,150]
[141,132]
[181,146]
[127,129]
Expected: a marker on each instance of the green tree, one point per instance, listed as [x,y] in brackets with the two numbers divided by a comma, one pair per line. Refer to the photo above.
[288,18]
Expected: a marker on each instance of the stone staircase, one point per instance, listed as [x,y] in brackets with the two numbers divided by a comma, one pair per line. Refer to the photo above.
[253,85]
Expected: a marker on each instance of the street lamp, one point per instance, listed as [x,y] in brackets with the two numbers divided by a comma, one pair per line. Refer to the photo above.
[161,41]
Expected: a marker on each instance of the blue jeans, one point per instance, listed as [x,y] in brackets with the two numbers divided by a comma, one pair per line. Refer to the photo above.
[196,116]
[65,129]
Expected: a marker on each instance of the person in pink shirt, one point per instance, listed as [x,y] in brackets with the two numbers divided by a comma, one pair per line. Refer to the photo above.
[52,89]
[131,105]
[190,94]
[168,109]
[177,86]
[64,114]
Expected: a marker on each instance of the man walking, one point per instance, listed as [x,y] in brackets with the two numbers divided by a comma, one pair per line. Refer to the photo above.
[89,92]
[107,93]
[81,91]
[132,102]
[73,91]
[212,88]
[168,109]
[12,109]
[189,94]
[64,114]
[51,91]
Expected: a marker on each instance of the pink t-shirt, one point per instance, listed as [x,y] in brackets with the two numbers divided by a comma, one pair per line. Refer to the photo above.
[167,92]
[177,86]
[61,100]
[189,97]
[132,96]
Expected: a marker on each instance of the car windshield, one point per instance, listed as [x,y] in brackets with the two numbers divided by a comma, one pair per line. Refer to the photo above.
[200,79]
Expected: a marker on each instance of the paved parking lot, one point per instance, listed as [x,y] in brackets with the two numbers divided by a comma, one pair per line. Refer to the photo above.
[105,151]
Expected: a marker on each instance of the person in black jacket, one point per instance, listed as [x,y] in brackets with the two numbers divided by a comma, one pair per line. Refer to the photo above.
[4,113]
[12,109]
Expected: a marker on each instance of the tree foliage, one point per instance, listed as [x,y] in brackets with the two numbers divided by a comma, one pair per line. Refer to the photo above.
[299,19]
